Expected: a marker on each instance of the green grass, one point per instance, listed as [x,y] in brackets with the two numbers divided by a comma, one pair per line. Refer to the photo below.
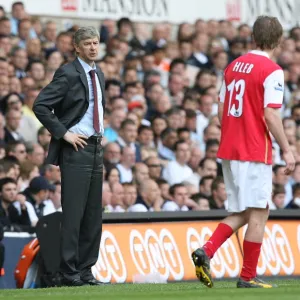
[223,290]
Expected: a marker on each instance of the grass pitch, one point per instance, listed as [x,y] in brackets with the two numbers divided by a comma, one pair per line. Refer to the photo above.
[223,290]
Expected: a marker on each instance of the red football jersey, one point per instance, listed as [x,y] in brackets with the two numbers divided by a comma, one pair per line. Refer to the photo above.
[251,83]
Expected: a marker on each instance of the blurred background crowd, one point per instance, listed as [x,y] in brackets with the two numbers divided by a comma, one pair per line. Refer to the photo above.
[161,130]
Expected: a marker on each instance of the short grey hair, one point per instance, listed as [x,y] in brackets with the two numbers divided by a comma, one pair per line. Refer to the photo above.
[84,33]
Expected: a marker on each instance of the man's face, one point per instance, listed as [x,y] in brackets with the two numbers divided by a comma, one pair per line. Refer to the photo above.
[117,117]
[45,138]
[119,104]
[170,140]
[221,192]
[5,27]
[128,156]
[130,133]
[24,30]
[50,32]
[146,137]
[37,71]
[113,153]
[13,119]
[20,152]
[196,156]
[203,204]
[142,173]
[130,195]
[212,152]
[181,196]
[37,156]
[153,193]
[278,200]
[113,91]
[4,85]
[5,44]
[64,45]
[3,67]
[9,192]
[213,133]
[154,167]
[209,169]
[34,46]
[281,177]
[20,59]
[183,153]
[18,11]
[205,188]
[88,49]
[117,195]
[206,105]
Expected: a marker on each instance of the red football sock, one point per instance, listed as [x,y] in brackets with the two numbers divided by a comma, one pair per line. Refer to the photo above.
[251,256]
[220,235]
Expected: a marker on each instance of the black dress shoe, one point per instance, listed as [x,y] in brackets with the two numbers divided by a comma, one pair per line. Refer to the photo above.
[71,282]
[93,281]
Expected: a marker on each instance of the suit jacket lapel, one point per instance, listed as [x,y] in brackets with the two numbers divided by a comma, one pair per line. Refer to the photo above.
[83,78]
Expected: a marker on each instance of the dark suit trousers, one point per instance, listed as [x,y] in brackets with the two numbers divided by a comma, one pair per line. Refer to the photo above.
[82,178]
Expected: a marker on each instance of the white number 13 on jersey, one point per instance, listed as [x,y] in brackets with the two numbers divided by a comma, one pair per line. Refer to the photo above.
[237,88]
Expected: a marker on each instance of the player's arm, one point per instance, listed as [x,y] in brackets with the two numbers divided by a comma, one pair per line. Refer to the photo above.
[273,97]
[221,101]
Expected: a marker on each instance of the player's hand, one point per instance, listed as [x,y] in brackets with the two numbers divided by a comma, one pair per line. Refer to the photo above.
[75,139]
[290,162]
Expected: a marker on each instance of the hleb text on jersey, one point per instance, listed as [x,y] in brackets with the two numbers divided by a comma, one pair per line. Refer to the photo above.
[243,67]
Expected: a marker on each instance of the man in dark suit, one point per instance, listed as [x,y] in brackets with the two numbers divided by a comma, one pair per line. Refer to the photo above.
[71,107]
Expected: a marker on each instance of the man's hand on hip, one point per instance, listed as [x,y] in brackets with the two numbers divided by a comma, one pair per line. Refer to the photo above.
[75,139]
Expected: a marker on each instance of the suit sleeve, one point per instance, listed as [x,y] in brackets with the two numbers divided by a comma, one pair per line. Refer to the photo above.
[48,100]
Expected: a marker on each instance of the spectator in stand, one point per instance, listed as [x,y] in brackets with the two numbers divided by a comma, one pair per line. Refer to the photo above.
[154,167]
[179,199]
[17,149]
[127,137]
[282,179]
[218,194]
[205,185]
[140,173]
[166,146]
[10,218]
[44,138]
[117,198]
[51,173]
[177,170]
[13,119]
[295,202]
[53,204]
[278,196]
[149,197]
[116,118]
[127,161]
[130,194]
[28,171]
[202,202]
[112,176]
[112,154]
[36,194]
[36,154]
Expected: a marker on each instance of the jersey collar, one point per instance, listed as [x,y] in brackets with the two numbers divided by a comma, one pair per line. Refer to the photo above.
[260,52]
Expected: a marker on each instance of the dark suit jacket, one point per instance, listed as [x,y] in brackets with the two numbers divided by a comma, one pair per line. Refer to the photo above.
[195,62]
[63,103]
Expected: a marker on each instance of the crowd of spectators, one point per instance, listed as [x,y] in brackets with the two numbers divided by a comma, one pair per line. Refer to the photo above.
[161,130]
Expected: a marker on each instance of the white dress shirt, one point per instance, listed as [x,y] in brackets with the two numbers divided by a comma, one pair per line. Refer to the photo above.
[85,125]
[176,173]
